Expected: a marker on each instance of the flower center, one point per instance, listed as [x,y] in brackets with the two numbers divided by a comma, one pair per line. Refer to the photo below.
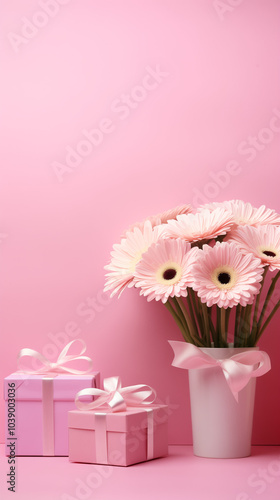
[137,257]
[240,221]
[169,274]
[268,253]
[224,278]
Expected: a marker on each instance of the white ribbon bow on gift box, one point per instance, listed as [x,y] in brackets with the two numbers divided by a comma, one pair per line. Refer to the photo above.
[116,397]
[59,365]
[49,372]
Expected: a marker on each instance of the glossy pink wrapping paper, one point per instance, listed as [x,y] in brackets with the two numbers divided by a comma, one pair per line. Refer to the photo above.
[29,414]
[120,438]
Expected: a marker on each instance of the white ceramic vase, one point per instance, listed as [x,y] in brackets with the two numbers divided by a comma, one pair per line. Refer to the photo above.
[221,426]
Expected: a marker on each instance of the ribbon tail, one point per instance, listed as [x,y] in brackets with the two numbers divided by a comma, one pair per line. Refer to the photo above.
[241,368]
[235,395]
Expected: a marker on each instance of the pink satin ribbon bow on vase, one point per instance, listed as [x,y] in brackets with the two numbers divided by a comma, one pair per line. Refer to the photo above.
[238,369]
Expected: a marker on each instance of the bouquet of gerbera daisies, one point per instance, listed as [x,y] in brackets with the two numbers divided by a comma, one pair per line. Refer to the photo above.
[204,264]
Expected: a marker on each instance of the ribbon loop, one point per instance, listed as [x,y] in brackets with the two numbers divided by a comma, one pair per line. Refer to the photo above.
[59,365]
[112,384]
[116,397]
[237,369]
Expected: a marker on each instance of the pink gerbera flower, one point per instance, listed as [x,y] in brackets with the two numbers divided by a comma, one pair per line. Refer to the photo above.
[203,225]
[245,214]
[163,217]
[165,270]
[224,276]
[262,241]
[126,255]
[172,214]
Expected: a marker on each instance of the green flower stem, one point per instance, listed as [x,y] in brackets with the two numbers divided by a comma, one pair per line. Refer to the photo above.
[218,324]
[183,314]
[197,309]
[180,315]
[237,322]
[207,336]
[192,315]
[223,333]
[250,322]
[236,325]
[241,328]
[212,328]
[178,321]
[220,327]
[246,325]
[267,321]
[268,297]
[228,311]
[256,310]
[195,340]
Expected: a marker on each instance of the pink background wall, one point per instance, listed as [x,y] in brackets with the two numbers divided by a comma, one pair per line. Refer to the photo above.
[182,136]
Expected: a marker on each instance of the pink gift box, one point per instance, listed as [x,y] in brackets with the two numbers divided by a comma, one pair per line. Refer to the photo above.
[41,408]
[118,438]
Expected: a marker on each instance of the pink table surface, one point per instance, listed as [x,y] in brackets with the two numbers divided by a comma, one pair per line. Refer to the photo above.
[180,476]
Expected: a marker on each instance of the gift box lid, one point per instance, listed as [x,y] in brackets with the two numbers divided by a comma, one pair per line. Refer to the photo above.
[65,386]
[121,421]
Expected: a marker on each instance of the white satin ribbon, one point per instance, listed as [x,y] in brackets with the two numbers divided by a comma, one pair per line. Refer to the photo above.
[48,416]
[50,370]
[59,365]
[238,369]
[116,397]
